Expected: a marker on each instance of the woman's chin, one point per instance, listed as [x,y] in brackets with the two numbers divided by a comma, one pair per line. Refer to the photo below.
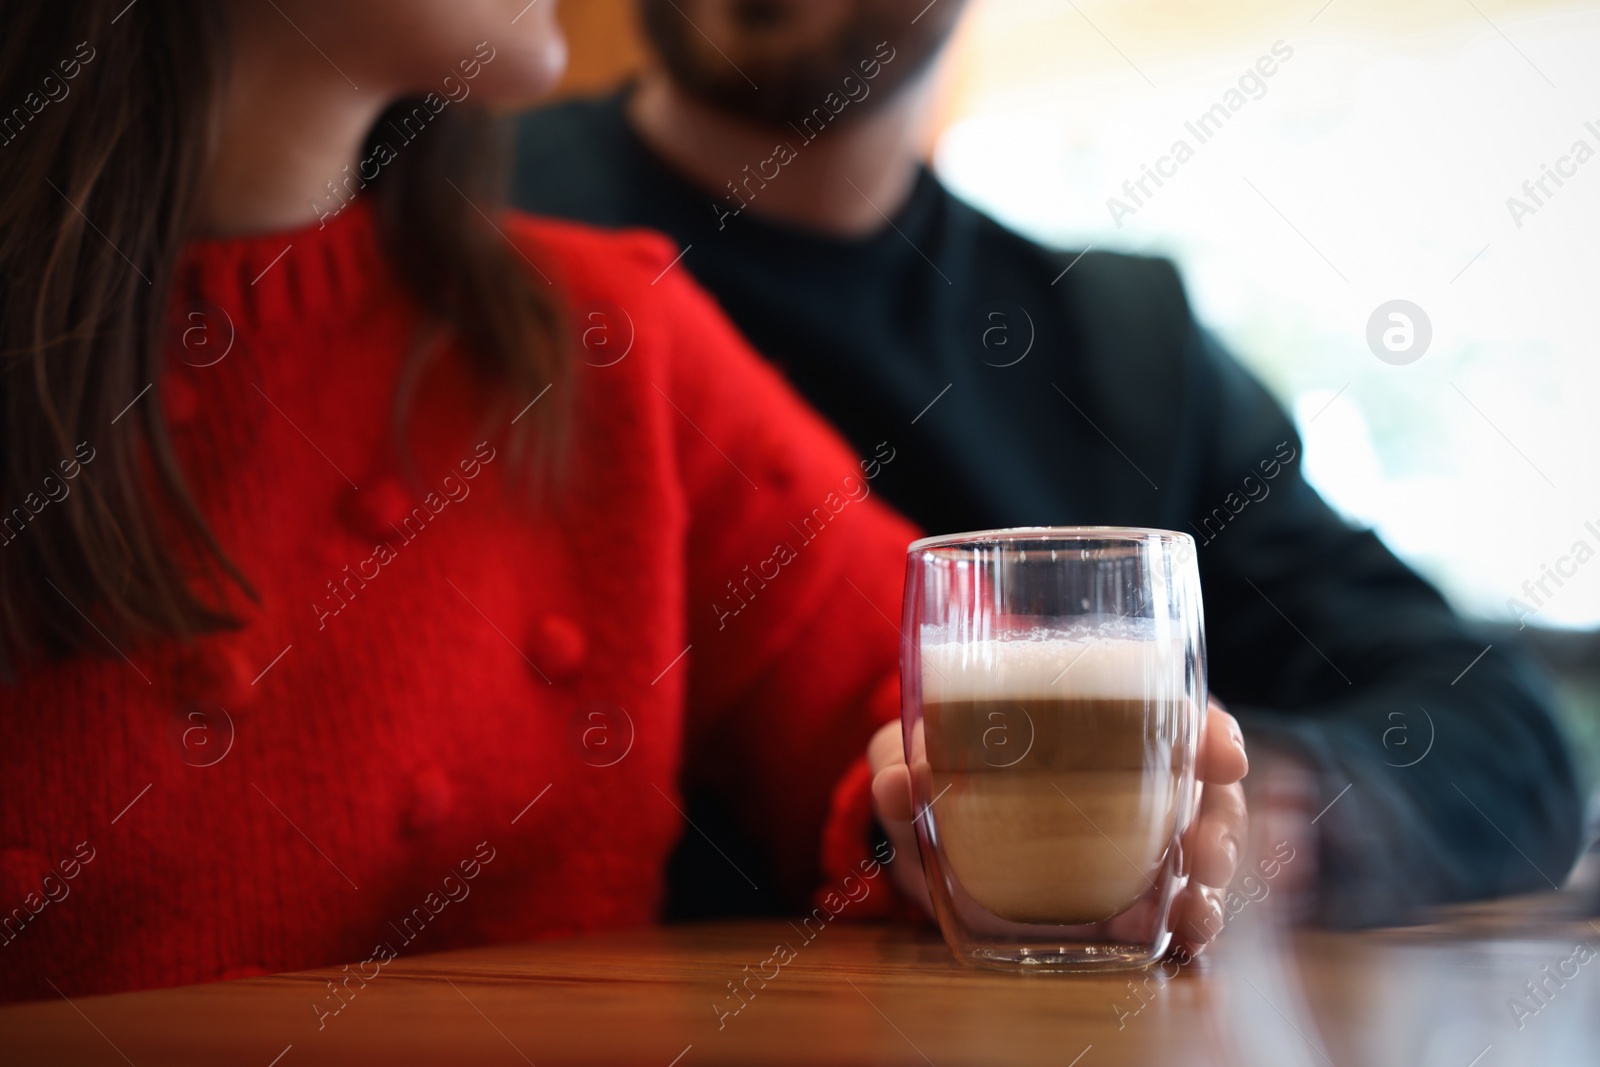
[524,74]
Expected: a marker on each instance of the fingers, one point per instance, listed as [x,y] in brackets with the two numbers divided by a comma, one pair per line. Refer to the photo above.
[891,792]
[891,781]
[1197,917]
[1214,843]
[886,747]
[1222,759]
[1219,834]
[1216,839]
[906,867]
[891,799]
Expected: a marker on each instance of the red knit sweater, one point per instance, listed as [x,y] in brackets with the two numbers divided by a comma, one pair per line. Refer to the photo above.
[452,719]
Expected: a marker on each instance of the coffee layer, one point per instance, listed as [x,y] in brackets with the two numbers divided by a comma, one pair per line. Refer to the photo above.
[1054,810]
[1052,666]
[1061,848]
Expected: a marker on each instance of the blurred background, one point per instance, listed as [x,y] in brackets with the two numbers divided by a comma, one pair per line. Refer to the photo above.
[1376,163]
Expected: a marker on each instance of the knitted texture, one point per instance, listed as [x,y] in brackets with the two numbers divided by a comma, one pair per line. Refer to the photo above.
[453,717]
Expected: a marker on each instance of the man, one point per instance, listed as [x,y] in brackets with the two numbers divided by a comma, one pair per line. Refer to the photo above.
[776,140]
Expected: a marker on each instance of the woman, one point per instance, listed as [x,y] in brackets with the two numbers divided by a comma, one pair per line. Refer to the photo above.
[377,567]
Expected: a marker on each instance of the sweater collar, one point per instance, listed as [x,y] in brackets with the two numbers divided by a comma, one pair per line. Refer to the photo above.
[291,279]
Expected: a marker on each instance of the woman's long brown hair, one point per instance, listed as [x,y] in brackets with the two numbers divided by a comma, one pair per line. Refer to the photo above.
[108,110]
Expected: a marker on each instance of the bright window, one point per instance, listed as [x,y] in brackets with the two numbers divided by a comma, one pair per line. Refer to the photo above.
[1374,163]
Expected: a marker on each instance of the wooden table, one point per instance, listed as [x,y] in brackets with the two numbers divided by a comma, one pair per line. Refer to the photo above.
[874,994]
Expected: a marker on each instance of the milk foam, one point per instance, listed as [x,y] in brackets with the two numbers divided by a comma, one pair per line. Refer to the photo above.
[1057,666]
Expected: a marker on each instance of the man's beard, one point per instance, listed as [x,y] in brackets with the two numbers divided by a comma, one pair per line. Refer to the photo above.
[792,87]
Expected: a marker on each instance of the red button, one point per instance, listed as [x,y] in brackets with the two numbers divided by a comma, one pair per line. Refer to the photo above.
[559,647]
[216,672]
[378,511]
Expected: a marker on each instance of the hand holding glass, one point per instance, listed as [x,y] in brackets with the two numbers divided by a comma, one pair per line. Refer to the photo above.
[1053,681]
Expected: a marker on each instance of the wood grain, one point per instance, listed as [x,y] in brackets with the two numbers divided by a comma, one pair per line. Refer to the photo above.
[862,994]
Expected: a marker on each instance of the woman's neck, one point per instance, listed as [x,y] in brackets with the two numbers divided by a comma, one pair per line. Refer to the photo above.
[288,124]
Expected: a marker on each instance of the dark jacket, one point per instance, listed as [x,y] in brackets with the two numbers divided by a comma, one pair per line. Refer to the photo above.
[1017,385]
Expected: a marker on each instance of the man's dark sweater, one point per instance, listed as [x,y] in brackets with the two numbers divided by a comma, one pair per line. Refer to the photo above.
[1019,386]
